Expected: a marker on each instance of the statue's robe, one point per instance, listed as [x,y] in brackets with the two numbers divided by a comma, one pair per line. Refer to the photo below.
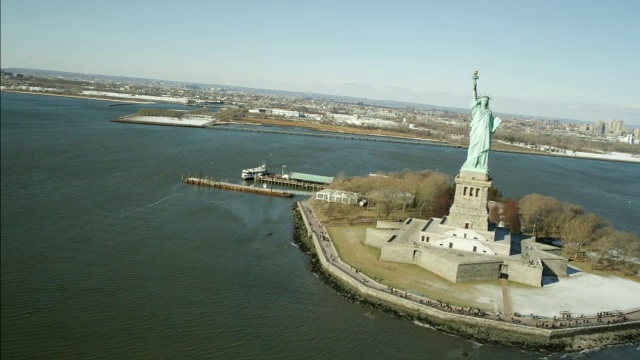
[483,125]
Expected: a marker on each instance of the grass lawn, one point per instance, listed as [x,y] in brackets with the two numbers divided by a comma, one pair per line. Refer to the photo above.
[349,242]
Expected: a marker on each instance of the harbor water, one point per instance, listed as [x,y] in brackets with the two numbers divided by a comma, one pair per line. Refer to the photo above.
[106,254]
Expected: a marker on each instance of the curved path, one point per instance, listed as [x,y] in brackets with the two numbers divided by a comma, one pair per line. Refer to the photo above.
[331,255]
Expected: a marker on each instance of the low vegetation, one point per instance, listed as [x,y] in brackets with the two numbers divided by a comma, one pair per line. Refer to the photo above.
[421,194]
[580,232]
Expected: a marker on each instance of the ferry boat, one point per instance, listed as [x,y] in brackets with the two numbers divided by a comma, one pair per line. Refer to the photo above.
[250,174]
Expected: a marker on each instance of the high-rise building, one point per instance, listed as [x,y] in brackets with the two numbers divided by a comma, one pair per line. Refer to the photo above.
[599,127]
[615,126]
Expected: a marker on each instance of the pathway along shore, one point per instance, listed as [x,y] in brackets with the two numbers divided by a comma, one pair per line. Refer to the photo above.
[471,323]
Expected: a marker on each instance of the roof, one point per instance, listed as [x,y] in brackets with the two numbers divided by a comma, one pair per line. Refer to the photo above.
[338,192]
[312,178]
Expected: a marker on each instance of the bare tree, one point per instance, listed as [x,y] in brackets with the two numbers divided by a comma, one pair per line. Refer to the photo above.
[600,248]
[386,206]
[623,245]
[580,232]
[494,214]
[511,215]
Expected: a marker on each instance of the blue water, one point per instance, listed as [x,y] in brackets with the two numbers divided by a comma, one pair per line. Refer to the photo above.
[105,253]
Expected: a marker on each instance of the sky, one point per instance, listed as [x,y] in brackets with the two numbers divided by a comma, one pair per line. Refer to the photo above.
[567,59]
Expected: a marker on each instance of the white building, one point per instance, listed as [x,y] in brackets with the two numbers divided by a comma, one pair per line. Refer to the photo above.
[339,196]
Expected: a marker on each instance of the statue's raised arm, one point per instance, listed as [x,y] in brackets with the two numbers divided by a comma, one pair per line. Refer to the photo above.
[475,85]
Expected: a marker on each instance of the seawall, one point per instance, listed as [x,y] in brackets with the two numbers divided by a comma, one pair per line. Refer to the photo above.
[481,329]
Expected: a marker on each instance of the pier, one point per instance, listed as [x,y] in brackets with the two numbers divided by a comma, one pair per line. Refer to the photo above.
[205,182]
[278,180]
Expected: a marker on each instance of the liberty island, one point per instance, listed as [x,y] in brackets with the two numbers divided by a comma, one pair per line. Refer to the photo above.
[461,247]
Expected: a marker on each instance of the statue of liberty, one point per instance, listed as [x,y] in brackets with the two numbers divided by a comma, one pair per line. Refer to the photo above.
[483,125]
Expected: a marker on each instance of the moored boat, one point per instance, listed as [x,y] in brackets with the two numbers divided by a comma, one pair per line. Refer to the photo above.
[252,173]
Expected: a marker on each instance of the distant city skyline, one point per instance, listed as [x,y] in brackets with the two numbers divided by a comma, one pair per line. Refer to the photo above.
[568,59]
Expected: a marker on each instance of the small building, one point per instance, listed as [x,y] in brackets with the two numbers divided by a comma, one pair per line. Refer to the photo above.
[338,196]
[310,178]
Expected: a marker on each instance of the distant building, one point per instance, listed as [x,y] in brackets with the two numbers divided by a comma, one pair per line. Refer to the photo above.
[615,126]
[599,128]
[286,113]
[627,139]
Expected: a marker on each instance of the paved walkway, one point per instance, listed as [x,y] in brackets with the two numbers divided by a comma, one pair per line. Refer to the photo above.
[506,301]
[331,255]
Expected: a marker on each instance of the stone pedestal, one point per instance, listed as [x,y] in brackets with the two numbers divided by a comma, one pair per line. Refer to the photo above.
[469,210]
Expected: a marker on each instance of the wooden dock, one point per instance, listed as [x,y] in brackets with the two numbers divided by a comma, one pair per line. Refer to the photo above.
[200,181]
[277,180]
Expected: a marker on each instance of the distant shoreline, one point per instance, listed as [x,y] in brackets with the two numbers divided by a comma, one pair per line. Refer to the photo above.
[79,97]
[343,130]
[347,132]
[637,161]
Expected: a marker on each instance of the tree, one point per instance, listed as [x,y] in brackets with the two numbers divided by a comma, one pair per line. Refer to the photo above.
[536,210]
[511,215]
[494,194]
[581,231]
[544,216]
[386,206]
[494,213]
[601,248]
[444,201]
[561,216]
[623,245]
[428,187]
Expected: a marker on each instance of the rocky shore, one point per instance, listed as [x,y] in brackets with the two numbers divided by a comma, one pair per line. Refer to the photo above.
[495,332]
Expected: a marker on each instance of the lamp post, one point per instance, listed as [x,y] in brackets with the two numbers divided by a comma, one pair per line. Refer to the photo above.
[283,166]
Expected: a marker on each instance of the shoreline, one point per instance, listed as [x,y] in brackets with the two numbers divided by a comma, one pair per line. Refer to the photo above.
[328,128]
[416,139]
[80,97]
[480,329]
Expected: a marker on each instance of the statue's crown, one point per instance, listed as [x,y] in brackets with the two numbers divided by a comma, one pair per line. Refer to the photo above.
[485,96]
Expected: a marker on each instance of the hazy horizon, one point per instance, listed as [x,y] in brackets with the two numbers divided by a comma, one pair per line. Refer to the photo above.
[570,60]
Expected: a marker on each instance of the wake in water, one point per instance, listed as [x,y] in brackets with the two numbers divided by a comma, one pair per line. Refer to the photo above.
[68,155]
[150,205]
